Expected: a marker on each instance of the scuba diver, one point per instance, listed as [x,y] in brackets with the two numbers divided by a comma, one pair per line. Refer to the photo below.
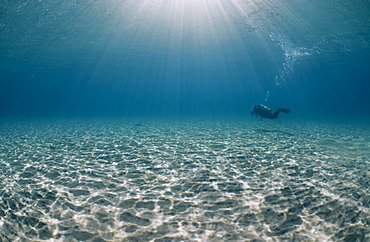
[265,112]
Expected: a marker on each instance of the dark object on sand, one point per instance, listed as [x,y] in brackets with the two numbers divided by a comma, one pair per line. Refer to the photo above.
[265,112]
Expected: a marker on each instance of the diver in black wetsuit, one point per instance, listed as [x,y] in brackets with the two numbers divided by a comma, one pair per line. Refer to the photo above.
[265,112]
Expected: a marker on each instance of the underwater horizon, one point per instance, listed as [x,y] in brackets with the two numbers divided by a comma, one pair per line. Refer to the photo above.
[130,120]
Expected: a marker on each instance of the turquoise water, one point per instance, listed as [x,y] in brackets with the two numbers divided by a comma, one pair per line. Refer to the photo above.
[130,120]
[181,59]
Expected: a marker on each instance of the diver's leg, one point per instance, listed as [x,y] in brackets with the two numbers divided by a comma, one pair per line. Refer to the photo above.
[276,114]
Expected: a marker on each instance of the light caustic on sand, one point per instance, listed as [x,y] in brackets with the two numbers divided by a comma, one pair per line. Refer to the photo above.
[183,181]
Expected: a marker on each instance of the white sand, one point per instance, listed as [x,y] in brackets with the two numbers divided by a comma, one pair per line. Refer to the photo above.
[201,181]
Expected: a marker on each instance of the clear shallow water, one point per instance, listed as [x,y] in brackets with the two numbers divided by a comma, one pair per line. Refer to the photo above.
[106,180]
[184,181]
[139,58]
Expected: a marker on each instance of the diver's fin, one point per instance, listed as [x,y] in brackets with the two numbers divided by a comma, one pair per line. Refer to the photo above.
[285,110]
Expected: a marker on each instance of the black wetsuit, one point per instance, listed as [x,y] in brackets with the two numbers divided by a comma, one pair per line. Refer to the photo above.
[265,112]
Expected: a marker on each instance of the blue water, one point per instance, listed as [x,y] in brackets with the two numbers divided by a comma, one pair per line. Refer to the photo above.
[184,58]
[130,120]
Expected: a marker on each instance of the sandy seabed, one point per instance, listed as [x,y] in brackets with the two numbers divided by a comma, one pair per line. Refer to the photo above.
[184,181]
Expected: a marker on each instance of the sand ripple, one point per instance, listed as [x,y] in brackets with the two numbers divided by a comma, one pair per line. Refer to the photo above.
[202,181]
